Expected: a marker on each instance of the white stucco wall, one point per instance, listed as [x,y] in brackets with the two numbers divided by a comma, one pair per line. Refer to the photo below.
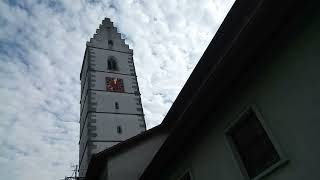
[131,125]
[132,161]
[122,58]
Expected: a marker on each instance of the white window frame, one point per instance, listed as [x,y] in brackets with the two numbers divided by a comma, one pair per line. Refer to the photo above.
[283,158]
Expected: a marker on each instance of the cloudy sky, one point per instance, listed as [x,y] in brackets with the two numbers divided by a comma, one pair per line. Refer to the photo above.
[41,49]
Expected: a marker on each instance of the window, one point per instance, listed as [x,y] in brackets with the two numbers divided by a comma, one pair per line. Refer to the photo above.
[114,84]
[110,43]
[112,64]
[116,105]
[252,145]
[119,129]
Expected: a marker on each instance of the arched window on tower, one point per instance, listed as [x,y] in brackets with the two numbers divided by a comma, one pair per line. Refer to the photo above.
[112,64]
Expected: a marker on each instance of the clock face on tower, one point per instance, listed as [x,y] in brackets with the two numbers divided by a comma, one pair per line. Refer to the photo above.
[114,84]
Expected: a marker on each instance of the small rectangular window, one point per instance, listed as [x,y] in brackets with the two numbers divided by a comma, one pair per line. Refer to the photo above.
[252,144]
[110,43]
[116,105]
[119,129]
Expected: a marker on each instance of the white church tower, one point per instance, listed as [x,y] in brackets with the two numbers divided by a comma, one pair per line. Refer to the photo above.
[111,109]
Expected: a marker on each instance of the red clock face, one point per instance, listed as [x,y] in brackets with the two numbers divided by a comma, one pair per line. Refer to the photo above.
[114,84]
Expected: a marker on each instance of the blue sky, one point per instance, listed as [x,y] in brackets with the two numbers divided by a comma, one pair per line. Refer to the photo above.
[41,49]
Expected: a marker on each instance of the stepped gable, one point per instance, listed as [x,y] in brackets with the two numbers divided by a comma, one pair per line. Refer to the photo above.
[107,37]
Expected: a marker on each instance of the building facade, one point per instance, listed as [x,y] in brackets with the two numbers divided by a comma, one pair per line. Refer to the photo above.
[256,115]
[111,109]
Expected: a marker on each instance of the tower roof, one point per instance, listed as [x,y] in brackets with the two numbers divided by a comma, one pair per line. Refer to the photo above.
[107,37]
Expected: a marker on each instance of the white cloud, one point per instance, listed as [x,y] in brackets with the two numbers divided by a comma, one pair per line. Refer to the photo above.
[41,50]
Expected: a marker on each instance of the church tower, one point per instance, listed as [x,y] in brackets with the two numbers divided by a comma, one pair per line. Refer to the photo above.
[111,109]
